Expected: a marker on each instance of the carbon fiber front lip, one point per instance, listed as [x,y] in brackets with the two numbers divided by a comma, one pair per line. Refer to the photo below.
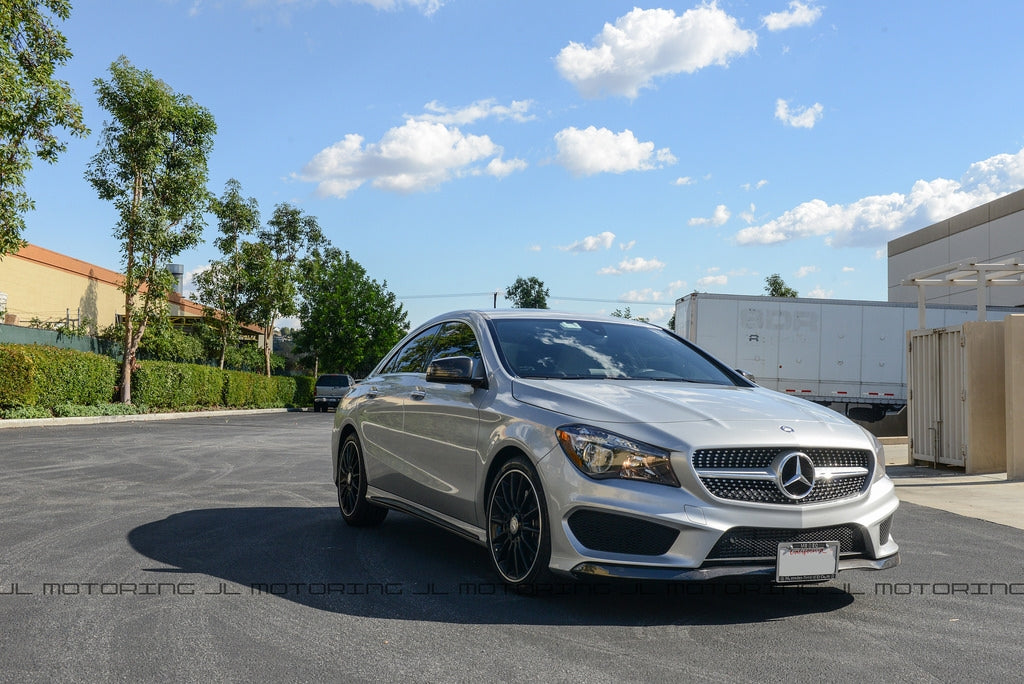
[636,572]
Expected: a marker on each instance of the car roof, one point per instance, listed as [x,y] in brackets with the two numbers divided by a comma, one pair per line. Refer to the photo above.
[506,314]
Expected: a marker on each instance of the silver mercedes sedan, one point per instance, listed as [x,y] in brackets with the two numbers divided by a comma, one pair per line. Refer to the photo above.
[602,447]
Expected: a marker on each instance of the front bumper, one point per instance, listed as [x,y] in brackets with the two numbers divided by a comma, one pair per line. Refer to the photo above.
[637,530]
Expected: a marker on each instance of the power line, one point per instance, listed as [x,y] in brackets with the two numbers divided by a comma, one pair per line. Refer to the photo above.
[552,298]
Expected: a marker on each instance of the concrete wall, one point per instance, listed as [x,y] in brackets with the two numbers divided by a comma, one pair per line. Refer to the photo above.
[984,368]
[1014,382]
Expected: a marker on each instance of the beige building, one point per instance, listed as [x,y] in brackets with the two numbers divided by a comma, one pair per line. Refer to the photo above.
[37,284]
[991,233]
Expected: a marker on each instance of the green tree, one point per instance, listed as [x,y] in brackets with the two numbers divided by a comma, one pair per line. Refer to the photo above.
[152,165]
[32,104]
[349,321]
[271,268]
[527,293]
[775,286]
[220,288]
[619,313]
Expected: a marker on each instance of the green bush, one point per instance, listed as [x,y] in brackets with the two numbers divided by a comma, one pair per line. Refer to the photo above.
[250,390]
[76,410]
[21,412]
[54,376]
[304,389]
[285,390]
[16,387]
[164,384]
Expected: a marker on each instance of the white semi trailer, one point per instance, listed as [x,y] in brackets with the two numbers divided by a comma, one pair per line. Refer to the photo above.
[848,354]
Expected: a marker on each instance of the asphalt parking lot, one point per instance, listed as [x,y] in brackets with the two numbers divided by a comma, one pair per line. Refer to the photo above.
[209,548]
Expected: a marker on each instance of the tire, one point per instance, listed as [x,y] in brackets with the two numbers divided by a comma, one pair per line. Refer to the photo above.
[355,509]
[518,537]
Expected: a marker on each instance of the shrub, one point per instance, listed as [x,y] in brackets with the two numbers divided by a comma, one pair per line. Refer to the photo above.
[54,376]
[164,384]
[16,387]
[21,412]
[304,388]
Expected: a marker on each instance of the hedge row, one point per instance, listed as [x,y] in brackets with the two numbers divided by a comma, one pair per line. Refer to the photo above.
[48,377]
[32,375]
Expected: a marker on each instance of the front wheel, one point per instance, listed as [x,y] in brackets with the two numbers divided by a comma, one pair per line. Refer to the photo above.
[517,526]
[355,509]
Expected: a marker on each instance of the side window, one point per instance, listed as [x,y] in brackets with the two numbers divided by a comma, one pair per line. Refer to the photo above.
[456,339]
[413,357]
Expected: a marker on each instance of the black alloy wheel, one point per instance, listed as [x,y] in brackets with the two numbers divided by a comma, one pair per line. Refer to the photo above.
[355,509]
[517,532]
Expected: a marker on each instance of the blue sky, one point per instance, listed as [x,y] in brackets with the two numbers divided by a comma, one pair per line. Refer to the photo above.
[625,154]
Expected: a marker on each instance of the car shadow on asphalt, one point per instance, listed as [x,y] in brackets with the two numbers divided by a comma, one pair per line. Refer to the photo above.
[408,569]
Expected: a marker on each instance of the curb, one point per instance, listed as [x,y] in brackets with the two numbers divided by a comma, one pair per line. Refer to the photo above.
[98,420]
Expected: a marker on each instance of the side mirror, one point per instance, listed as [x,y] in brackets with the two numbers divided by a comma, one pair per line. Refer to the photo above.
[454,370]
[748,376]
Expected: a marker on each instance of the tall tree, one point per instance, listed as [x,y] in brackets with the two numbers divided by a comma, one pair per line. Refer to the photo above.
[152,165]
[527,293]
[32,104]
[220,288]
[775,286]
[349,321]
[271,266]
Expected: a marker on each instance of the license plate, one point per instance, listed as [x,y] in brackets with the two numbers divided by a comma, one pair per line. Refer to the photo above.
[807,561]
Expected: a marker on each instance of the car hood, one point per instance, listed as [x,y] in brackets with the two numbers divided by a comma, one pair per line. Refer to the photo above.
[652,403]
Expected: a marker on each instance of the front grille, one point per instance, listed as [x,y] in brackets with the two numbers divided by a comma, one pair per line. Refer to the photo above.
[719,472]
[621,534]
[763,542]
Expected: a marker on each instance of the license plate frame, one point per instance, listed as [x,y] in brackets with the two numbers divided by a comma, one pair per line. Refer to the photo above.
[806,562]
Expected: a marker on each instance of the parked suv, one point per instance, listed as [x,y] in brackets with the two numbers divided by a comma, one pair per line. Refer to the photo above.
[329,390]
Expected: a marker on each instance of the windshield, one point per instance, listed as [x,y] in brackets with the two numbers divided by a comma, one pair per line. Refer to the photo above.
[575,349]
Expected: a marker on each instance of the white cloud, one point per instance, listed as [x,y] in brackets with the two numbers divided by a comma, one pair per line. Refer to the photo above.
[713,280]
[652,295]
[599,150]
[591,243]
[754,186]
[428,7]
[848,269]
[820,293]
[801,117]
[499,168]
[719,218]
[645,44]
[799,14]
[417,156]
[533,248]
[805,271]
[518,111]
[683,180]
[880,218]
[634,265]
[749,214]
[626,246]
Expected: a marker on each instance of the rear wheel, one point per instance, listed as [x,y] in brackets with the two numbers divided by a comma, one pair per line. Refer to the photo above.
[517,525]
[355,509]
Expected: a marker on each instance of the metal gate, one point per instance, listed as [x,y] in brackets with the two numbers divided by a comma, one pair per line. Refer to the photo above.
[936,396]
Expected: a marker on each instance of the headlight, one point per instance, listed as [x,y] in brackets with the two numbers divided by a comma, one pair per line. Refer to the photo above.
[876,444]
[604,455]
